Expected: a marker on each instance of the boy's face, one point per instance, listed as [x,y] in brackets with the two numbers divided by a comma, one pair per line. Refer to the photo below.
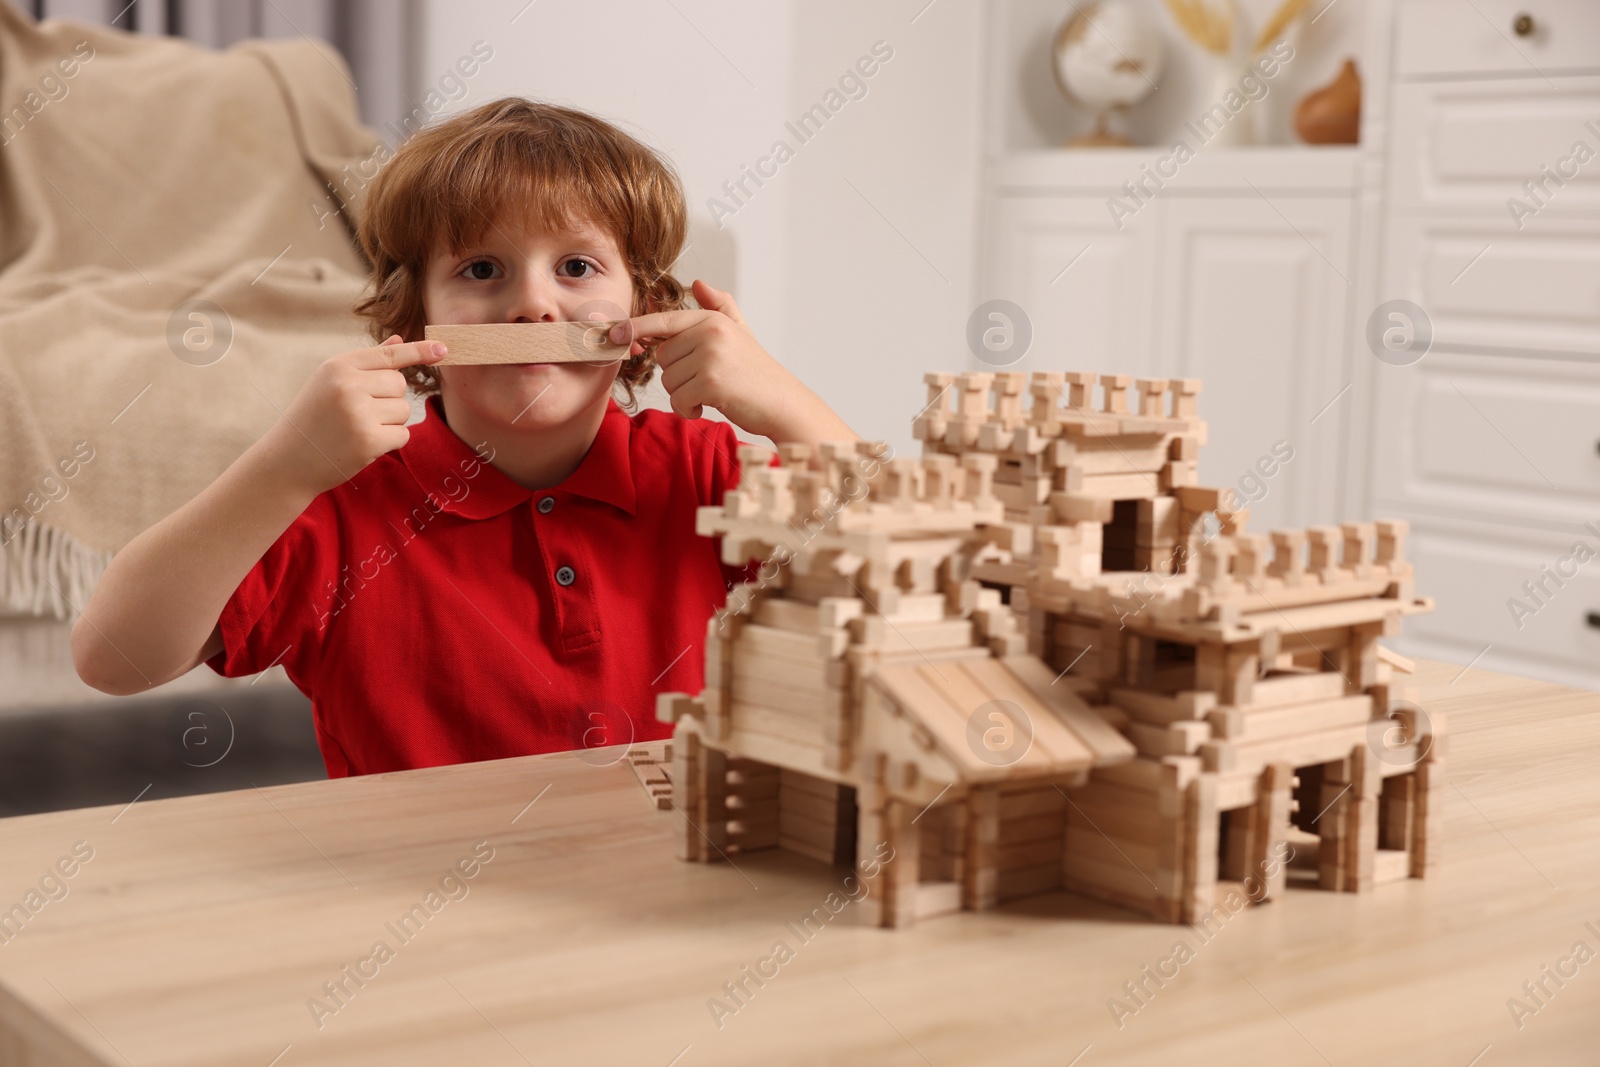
[518,274]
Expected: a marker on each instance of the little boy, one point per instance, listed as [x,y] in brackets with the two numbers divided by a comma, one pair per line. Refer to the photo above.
[519,571]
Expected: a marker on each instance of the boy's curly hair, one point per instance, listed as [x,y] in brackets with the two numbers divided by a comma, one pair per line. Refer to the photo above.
[548,165]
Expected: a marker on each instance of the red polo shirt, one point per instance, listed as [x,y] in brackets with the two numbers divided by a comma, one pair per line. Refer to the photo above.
[436,612]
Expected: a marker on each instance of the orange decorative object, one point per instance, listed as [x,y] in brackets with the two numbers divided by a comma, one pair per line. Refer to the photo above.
[1332,114]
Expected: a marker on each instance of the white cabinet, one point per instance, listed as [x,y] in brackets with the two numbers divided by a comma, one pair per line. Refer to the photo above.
[1061,259]
[1236,271]
[1253,301]
[1488,443]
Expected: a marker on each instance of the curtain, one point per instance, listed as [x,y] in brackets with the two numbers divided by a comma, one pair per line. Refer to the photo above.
[377,38]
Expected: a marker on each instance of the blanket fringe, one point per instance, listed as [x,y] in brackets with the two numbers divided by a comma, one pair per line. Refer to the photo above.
[45,572]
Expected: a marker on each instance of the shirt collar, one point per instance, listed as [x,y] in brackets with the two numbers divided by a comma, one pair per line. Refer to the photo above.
[458,479]
[606,473]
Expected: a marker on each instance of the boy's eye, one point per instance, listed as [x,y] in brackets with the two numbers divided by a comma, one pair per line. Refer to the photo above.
[480,270]
[577,268]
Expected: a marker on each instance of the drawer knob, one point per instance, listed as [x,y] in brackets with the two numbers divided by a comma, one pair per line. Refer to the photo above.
[1593,619]
[1522,24]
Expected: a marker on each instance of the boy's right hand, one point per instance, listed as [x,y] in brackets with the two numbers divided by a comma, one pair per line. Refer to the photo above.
[350,411]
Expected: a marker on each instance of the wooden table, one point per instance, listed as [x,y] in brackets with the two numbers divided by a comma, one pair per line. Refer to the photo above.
[203,926]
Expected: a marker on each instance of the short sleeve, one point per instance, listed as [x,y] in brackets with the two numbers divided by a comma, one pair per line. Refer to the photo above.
[279,613]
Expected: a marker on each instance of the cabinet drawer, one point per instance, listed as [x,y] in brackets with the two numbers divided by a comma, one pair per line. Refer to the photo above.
[1477,574]
[1486,289]
[1489,436]
[1468,37]
[1472,147]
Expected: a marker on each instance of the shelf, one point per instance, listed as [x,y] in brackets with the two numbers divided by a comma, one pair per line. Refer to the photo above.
[1294,170]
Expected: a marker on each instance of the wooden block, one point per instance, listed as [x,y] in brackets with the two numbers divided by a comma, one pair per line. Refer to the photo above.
[1299,688]
[1029,881]
[1297,750]
[1333,827]
[1247,727]
[819,809]
[1396,812]
[800,782]
[1023,804]
[1133,821]
[1159,710]
[526,342]
[1361,844]
[1390,865]
[1200,847]
[1010,857]
[1179,738]
[1397,661]
[899,878]
[670,707]
[1271,816]
[1113,881]
[980,883]
[1427,825]
[937,898]
[1029,828]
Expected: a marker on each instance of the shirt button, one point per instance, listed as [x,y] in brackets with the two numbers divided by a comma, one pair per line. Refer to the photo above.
[546,504]
[565,575]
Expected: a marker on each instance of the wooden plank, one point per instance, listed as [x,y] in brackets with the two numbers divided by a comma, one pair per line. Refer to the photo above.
[1200,847]
[526,342]
[1139,825]
[1029,881]
[937,898]
[1390,865]
[1024,803]
[979,875]
[1297,751]
[878,632]
[1159,710]
[1177,739]
[1283,690]
[1115,882]
[1098,735]
[1010,857]
[1055,745]
[798,781]
[775,722]
[1096,846]
[1031,827]
[810,806]
[1254,726]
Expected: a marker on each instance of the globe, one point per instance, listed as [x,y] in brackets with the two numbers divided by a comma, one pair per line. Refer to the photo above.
[1108,54]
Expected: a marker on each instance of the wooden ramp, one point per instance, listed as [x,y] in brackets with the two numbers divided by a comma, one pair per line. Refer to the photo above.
[996,719]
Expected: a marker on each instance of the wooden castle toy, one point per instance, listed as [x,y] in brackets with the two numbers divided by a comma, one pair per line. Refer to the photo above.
[1041,657]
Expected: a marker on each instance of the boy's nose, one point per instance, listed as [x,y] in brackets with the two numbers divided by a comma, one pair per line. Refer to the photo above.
[534,301]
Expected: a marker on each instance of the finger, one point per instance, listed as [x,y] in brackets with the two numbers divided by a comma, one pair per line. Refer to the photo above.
[688,401]
[393,357]
[714,299]
[391,411]
[392,339]
[685,344]
[385,383]
[393,437]
[677,375]
[657,324]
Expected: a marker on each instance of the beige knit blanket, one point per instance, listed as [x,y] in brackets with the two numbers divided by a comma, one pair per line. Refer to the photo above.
[138,174]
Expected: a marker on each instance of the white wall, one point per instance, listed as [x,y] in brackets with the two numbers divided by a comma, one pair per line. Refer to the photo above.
[858,293]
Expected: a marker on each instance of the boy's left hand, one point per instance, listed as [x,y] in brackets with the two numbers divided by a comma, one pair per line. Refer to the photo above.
[709,358]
